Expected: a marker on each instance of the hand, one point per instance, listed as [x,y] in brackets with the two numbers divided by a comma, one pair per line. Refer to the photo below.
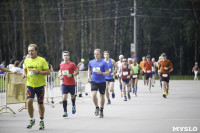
[89,79]
[69,75]
[112,74]
[61,77]
[23,76]
[35,71]
[99,72]
[129,76]
[165,68]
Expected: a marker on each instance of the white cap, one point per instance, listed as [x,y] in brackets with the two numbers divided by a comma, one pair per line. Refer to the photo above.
[121,56]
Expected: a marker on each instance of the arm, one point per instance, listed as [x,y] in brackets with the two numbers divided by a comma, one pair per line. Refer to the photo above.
[24,73]
[115,67]
[89,74]
[43,72]
[4,69]
[106,73]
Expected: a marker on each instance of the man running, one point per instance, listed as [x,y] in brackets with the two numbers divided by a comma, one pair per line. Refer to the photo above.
[147,68]
[164,69]
[141,66]
[35,69]
[98,68]
[110,79]
[68,71]
[135,66]
[119,64]
[126,71]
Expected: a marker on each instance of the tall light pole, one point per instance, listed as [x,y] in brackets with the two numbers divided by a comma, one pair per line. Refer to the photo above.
[134,44]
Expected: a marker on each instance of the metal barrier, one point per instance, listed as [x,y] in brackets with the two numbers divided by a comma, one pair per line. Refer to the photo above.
[53,88]
[13,91]
[83,87]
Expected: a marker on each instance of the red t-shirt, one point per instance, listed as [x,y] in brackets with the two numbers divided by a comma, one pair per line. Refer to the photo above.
[68,68]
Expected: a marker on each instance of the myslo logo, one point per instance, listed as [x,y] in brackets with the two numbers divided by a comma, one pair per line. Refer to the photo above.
[185,129]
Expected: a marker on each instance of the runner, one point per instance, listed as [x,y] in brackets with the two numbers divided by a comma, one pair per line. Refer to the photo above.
[196,71]
[164,69]
[68,71]
[111,78]
[141,66]
[119,64]
[35,69]
[98,68]
[135,66]
[154,67]
[148,71]
[126,71]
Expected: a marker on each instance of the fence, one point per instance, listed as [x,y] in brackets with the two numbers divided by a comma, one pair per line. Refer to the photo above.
[13,89]
[53,93]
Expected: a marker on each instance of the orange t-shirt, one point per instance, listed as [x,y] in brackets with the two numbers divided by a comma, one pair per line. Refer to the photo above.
[167,63]
[142,64]
[148,66]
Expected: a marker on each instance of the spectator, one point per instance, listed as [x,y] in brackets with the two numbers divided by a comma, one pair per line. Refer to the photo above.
[16,67]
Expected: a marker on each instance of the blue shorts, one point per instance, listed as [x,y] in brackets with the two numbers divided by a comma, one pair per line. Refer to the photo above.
[39,91]
[68,89]
[127,81]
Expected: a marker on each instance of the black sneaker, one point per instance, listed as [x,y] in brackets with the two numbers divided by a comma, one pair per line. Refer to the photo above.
[41,125]
[164,95]
[31,123]
[101,113]
[96,113]
[125,98]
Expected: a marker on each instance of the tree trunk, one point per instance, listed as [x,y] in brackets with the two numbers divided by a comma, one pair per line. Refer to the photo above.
[82,31]
[115,30]
[44,26]
[23,28]
[60,14]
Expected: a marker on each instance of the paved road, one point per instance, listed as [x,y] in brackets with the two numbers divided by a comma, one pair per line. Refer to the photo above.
[147,113]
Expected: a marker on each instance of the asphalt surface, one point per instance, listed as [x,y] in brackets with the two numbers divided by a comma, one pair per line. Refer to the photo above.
[147,113]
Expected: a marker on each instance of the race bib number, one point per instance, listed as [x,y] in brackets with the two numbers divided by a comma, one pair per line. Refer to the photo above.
[165,75]
[148,71]
[95,69]
[125,73]
[134,76]
[65,72]
[31,73]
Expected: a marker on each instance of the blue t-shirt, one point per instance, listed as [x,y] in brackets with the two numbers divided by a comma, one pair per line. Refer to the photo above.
[110,66]
[98,65]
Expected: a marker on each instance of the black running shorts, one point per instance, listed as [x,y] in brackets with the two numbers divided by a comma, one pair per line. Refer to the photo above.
[98,86]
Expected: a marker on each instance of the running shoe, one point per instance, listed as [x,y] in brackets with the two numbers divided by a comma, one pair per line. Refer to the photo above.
[96,113]
[125,98]
[65,114]
[73,110]
[41,125]
[101,113]
[31,123]
[113,95]
[164,95]
[152,85]
[129,96]
[109,102]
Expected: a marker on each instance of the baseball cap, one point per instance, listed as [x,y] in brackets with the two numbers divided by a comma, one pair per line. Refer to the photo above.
[82,60]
